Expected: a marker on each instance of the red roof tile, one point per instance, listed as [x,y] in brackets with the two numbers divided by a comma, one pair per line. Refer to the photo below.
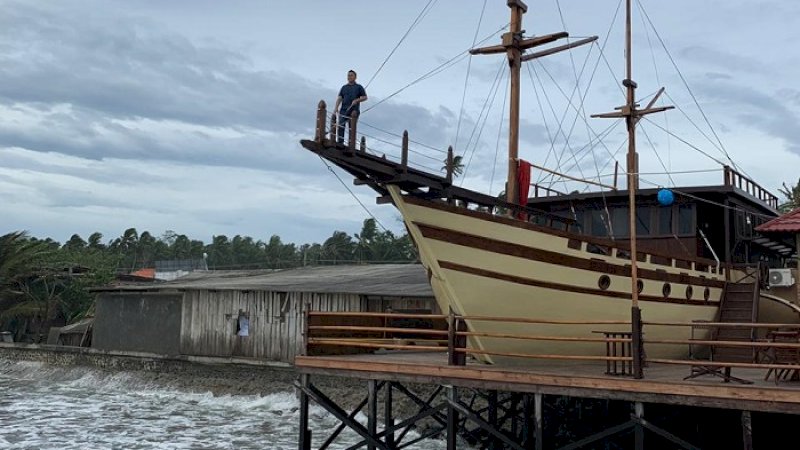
[145,273]
[787,223]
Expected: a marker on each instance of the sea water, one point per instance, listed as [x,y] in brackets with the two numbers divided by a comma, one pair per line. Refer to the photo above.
[53,407]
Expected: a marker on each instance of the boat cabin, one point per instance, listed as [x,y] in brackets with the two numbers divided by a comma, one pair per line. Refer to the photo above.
[703,221]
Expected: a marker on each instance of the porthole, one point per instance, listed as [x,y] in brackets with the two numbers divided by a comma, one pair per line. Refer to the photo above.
[640,285]
[666,290]
[706,294]
[689,292]
[604,282]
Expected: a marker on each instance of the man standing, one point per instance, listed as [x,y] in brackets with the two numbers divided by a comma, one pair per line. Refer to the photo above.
[351,95]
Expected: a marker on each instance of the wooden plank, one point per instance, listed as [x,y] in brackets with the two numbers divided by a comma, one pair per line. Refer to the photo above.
[723,396]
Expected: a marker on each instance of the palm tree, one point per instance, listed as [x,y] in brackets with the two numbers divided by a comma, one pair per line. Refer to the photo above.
[458,166]
[19,258]
[792,197]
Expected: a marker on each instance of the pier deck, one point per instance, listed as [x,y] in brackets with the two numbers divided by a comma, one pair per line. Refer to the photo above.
[662,384]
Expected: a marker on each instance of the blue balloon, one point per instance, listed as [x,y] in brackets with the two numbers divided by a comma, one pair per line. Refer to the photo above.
[665,197]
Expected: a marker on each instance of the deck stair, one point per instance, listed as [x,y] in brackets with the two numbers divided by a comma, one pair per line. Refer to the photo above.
[739,305]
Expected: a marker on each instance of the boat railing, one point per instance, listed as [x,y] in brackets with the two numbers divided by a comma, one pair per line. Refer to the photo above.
[340,333]
[739,181]
[327,132]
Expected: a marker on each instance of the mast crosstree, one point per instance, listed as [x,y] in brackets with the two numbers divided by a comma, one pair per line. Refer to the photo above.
[514,45]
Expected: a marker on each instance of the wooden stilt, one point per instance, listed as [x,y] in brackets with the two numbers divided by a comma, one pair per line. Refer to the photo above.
[747,431]
[452,418]
[372,410]
[388,417]
[538,420]
[638,430]
[304,442]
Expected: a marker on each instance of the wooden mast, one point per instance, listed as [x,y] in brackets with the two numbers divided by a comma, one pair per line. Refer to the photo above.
[632,115]
[513,45]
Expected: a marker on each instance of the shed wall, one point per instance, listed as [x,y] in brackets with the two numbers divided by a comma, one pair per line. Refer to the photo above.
[209,321]
[138,321]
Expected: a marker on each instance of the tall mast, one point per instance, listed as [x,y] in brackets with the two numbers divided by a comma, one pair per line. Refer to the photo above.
[632,115]
[514,45]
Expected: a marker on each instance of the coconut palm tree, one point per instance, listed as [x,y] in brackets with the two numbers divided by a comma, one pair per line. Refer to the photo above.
[458,166]
[792,197]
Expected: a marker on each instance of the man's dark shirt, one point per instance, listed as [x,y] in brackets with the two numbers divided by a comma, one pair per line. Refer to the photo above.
[350,92]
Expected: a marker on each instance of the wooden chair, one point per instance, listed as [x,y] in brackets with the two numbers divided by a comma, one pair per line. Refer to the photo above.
[788,356]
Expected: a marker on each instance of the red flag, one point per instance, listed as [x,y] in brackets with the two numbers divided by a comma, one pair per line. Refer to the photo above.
[524,180]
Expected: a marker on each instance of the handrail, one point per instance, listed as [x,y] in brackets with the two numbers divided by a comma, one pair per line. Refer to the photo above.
[782,301]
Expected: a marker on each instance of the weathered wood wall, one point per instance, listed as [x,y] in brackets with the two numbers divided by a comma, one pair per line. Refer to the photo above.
[209,321]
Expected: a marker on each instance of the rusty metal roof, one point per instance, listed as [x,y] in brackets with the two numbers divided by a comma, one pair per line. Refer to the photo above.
[402,280]
[787,223]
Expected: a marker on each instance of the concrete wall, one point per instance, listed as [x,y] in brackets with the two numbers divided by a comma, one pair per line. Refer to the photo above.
[139,322]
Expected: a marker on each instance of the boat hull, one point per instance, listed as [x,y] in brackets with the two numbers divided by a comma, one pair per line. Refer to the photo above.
[486,265]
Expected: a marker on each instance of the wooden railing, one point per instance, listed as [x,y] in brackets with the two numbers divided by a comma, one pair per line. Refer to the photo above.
[327,333]
[737,180]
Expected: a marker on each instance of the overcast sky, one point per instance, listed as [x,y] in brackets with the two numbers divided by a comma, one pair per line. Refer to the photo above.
[187,115]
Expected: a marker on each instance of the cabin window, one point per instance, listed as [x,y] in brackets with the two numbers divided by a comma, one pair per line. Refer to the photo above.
[666,290]
[706,294]
[243,324]
[689,292]
[639,286]
[597,223]
[643,220]
[686,219]
[665,220]
[604,282]
[620,221]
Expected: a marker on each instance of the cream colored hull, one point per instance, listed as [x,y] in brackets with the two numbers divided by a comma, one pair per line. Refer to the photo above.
[483,266]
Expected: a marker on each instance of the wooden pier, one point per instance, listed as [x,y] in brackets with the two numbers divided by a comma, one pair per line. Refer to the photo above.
[393,359]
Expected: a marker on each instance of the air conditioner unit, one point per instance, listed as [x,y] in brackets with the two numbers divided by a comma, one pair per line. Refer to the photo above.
[780,277]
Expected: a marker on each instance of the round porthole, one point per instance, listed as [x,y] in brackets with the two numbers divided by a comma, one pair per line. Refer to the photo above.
[689,292]
[604,282]
[666,290]
[706,294]
[639,285]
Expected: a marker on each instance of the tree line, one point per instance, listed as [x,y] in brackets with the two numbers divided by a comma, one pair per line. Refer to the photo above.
[45,283]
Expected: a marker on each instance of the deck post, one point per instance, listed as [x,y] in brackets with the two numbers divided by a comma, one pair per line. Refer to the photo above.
[333,129]
[304,442]
[636,342]
[638,430]
[538,420]
[449,165]
[388,417]
[351,139]
[363,147]
[404,155]
[747,431]
[494,443]
[322,113]
[452,418]
[372,411]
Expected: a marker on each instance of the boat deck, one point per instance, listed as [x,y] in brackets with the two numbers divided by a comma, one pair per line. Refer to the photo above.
[661,383]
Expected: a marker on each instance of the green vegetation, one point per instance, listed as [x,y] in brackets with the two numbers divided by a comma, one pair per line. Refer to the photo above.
[792,197]
[44,283]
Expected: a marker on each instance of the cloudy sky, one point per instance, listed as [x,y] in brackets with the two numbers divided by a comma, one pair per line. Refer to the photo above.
[186,115]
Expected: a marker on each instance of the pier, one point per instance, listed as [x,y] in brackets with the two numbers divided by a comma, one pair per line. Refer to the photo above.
[503,405]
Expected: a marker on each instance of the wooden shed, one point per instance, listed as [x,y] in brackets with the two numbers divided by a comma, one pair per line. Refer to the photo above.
[255,314]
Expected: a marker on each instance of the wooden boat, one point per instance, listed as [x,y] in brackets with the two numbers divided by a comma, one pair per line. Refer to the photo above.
[549,256]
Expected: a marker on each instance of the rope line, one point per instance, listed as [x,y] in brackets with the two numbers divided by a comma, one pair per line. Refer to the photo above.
[466,78]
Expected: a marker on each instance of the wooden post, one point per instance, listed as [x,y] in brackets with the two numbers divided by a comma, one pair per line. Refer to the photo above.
[638,431]
[363,147]
[351,143]
[404,155]
[747,431]
[333,130]
[494,443]
[449,165]
[372,411]
[636,342]
[388,419]
[322,113]
[616,174]
[304,442]
[451,338]
[452,418]
[304,350]
[538,418]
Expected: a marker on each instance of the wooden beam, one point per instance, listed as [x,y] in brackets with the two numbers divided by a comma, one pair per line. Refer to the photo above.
[558,49]
[541,40]
[573,178]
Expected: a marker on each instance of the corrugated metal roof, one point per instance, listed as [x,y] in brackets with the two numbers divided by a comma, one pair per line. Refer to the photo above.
[787,223]
[406,280]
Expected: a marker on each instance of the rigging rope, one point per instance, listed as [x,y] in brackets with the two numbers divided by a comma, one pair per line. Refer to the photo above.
[487,107]
[414,24]
[497,143]
[466,78]
[691,93]
[442,67]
